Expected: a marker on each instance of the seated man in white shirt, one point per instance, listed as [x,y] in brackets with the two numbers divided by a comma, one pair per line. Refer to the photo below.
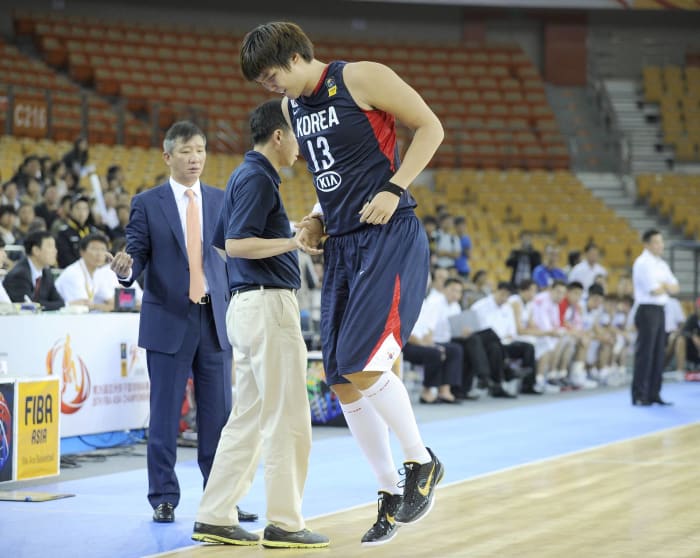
[497,315]
[586,271]
[88,281]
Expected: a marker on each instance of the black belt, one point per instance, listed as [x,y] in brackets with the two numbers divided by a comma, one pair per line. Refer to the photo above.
[247,288]
[206,299]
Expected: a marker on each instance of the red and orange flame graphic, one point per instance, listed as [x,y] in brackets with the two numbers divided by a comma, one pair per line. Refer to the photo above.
[5,431]
[75,385]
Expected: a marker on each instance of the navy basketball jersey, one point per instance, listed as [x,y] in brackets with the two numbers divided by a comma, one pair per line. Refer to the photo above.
[350,152]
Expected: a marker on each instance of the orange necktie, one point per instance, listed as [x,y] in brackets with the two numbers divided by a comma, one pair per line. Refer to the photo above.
[194,249]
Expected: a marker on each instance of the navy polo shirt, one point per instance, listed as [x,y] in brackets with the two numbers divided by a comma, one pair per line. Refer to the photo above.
[253,208]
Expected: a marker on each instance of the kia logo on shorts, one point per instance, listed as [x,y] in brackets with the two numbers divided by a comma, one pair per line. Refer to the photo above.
[328,181]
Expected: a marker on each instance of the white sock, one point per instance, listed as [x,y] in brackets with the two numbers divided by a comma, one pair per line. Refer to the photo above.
[372,435]
[390,399]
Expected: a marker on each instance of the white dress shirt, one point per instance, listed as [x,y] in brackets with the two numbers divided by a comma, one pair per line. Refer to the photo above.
[76,283]
[675,317]
[648,273]
[585,274]
[499,318]
[182,201]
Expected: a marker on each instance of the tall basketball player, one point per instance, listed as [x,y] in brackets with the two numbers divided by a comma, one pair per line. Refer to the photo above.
[376,258]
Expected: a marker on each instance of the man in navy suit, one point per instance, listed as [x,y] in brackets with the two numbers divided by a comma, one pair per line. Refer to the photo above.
[183,323]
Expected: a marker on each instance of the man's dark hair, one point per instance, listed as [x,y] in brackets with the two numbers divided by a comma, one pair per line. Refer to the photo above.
[590,246]
[7,209]
[112,172]
[35,239]
[272,45]
[450,280]
[459,219]
[93,237]
[559,283]
[573,257]
[648,234]
[184,130]
[505,286]
[478,275]
[574,285]
[525,284]
[265,119]
[596,289]
[75,200]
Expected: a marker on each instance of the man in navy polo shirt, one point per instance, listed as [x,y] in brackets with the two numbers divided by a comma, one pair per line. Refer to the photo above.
[271,413]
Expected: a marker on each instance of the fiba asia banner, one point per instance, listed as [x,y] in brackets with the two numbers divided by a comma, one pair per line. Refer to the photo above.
[38,442]
[104,383]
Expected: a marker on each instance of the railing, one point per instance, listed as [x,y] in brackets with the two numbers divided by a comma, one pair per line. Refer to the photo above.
[689,246]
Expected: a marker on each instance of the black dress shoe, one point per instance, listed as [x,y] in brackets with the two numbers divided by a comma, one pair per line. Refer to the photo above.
[164,513]
[425,401]
[454,401]
[660,401]
[503,394]
[641,403]
[233,534]
[246,516]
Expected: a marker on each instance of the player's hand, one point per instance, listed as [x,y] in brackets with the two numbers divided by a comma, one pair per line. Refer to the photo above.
[121,264]
[309,235]
[380,209]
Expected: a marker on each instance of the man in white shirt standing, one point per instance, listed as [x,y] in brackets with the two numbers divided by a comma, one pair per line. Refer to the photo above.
[588,268]
[653,283]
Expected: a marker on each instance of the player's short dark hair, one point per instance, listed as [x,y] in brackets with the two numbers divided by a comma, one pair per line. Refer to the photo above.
[505,286]
[35,239]
[8,208]
[558,283]
[265,119]
[452,280]
[648,234]
[183,130]
[272,45]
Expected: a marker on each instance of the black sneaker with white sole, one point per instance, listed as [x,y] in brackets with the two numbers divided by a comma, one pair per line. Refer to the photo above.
[276,537]
[224,534]
[385,528]
[419,489]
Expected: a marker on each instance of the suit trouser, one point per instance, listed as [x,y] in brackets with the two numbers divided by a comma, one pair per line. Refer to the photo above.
[201,354]
[441,366]
[649,352]
[476,361]
[270,415]
[526,353]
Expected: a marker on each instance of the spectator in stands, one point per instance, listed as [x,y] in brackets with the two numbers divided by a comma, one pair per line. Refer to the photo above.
[110,218]
[496,315]
[586,271]
[115,179]
[57,177]
[37,224]
[25,216]
[430,225]
[573,258]
[74,227]
[8,222]
[32,193]
[479,288]
[47,209]
[547,272]
[441,360]
[462,262]
[688,351]
[10,194]
[123,220]
[571,318]
[31,277]
[447,244]
[62,214]
[438,276]
[4,261]
[523,260]
[674,321]
[528,332]
[29,169]
[76,159]
[88,281]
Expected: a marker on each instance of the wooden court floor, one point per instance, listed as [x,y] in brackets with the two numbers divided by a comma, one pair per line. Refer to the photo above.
[638,498]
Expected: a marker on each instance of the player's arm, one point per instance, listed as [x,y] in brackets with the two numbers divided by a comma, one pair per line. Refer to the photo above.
[376,86]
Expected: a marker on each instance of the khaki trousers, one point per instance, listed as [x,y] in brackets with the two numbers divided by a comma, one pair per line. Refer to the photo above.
[270,414]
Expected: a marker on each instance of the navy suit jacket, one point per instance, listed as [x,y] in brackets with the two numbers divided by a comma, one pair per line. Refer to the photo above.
[155,241]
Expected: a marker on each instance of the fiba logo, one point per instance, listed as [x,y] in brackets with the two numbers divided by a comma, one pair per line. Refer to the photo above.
[75,384]
[5,431]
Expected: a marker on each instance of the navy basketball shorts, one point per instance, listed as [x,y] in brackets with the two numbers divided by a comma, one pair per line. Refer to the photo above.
[374,283]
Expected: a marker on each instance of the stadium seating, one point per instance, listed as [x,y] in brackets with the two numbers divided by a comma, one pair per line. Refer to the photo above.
[490,98]
[674,196]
